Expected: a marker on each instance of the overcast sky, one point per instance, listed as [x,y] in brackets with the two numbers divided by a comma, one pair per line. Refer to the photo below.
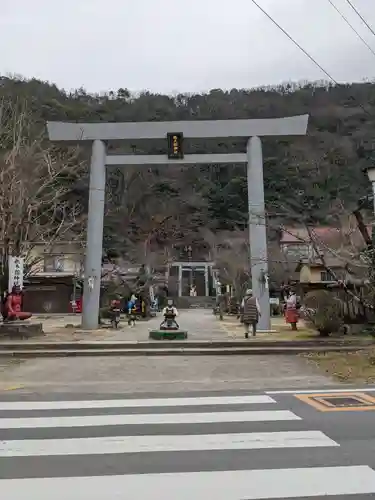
[181,45]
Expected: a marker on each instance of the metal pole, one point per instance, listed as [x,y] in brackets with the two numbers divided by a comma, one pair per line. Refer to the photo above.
[94,244]
[373,194]
[257,230]
[206,283]
[180,280]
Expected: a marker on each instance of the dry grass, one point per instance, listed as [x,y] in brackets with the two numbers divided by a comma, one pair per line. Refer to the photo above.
[282,331]
[358,366]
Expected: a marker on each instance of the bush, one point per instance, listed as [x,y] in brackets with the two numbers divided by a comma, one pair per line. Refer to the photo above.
[322,311]
[105,313]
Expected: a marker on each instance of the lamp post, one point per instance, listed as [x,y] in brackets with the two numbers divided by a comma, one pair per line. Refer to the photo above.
[371,175]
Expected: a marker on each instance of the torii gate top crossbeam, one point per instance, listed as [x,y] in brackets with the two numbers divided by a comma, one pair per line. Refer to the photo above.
[72,132]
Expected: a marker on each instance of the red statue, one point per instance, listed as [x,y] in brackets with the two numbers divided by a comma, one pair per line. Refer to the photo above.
[13,306]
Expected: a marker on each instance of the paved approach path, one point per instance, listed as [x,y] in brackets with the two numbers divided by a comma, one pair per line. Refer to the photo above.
[152,374]
[226,446]
[200,323]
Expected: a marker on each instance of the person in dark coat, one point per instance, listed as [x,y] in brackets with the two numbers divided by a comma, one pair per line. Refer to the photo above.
[251,312]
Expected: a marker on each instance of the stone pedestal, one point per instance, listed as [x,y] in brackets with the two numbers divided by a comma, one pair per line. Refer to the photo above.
[168,335]
[20,329]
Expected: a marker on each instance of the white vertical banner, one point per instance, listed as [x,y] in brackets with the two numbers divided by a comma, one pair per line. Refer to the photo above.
[15,267]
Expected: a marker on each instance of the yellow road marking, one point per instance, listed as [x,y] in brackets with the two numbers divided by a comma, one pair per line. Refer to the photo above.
[13,388]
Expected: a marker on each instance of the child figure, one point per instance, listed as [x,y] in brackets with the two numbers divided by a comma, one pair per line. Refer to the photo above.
[132,309]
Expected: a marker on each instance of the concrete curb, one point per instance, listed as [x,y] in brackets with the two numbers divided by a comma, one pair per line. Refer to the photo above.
[181,344]
[175,351]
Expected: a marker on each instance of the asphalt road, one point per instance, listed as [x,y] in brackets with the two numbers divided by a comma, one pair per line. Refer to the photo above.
[227,445]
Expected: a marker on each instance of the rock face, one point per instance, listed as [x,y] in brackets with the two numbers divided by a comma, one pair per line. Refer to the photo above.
[20,329]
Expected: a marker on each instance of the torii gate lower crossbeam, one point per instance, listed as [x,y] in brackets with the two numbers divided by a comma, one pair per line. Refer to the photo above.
[99,133]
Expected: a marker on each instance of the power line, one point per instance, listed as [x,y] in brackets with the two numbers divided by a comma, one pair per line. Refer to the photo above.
[352,27]
[361,17]
[314,61]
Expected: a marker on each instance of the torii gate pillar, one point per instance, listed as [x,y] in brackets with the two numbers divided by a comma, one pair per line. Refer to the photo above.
[258,230]
[94,237]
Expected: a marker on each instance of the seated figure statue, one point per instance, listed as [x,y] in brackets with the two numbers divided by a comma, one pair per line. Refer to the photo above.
[13,306]
[170,314]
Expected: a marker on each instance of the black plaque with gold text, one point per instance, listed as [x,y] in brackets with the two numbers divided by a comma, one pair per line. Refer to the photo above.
[175,145]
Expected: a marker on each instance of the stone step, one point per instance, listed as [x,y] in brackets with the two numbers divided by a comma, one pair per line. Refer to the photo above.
[20,329]
[179,351]
[188,343]
[195,302]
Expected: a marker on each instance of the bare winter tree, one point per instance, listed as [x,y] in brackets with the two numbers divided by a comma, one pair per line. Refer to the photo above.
[349,250]
[281,267]
[347,259]
[38,202]
[231,253]
[147,210]
[343,242]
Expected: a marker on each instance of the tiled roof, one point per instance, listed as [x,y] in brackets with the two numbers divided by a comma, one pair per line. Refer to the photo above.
[300,235]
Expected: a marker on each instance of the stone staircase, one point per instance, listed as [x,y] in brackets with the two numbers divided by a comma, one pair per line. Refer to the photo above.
[195,302]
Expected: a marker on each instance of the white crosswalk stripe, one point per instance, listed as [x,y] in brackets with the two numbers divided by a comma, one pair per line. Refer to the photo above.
[237,485]
[229,447]
[156,418]
[144,444]
[134,403]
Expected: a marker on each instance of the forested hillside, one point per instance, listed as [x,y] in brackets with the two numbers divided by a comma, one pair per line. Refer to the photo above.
[313,175]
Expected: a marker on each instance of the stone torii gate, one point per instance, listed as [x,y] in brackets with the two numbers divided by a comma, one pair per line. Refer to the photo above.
[99,133]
